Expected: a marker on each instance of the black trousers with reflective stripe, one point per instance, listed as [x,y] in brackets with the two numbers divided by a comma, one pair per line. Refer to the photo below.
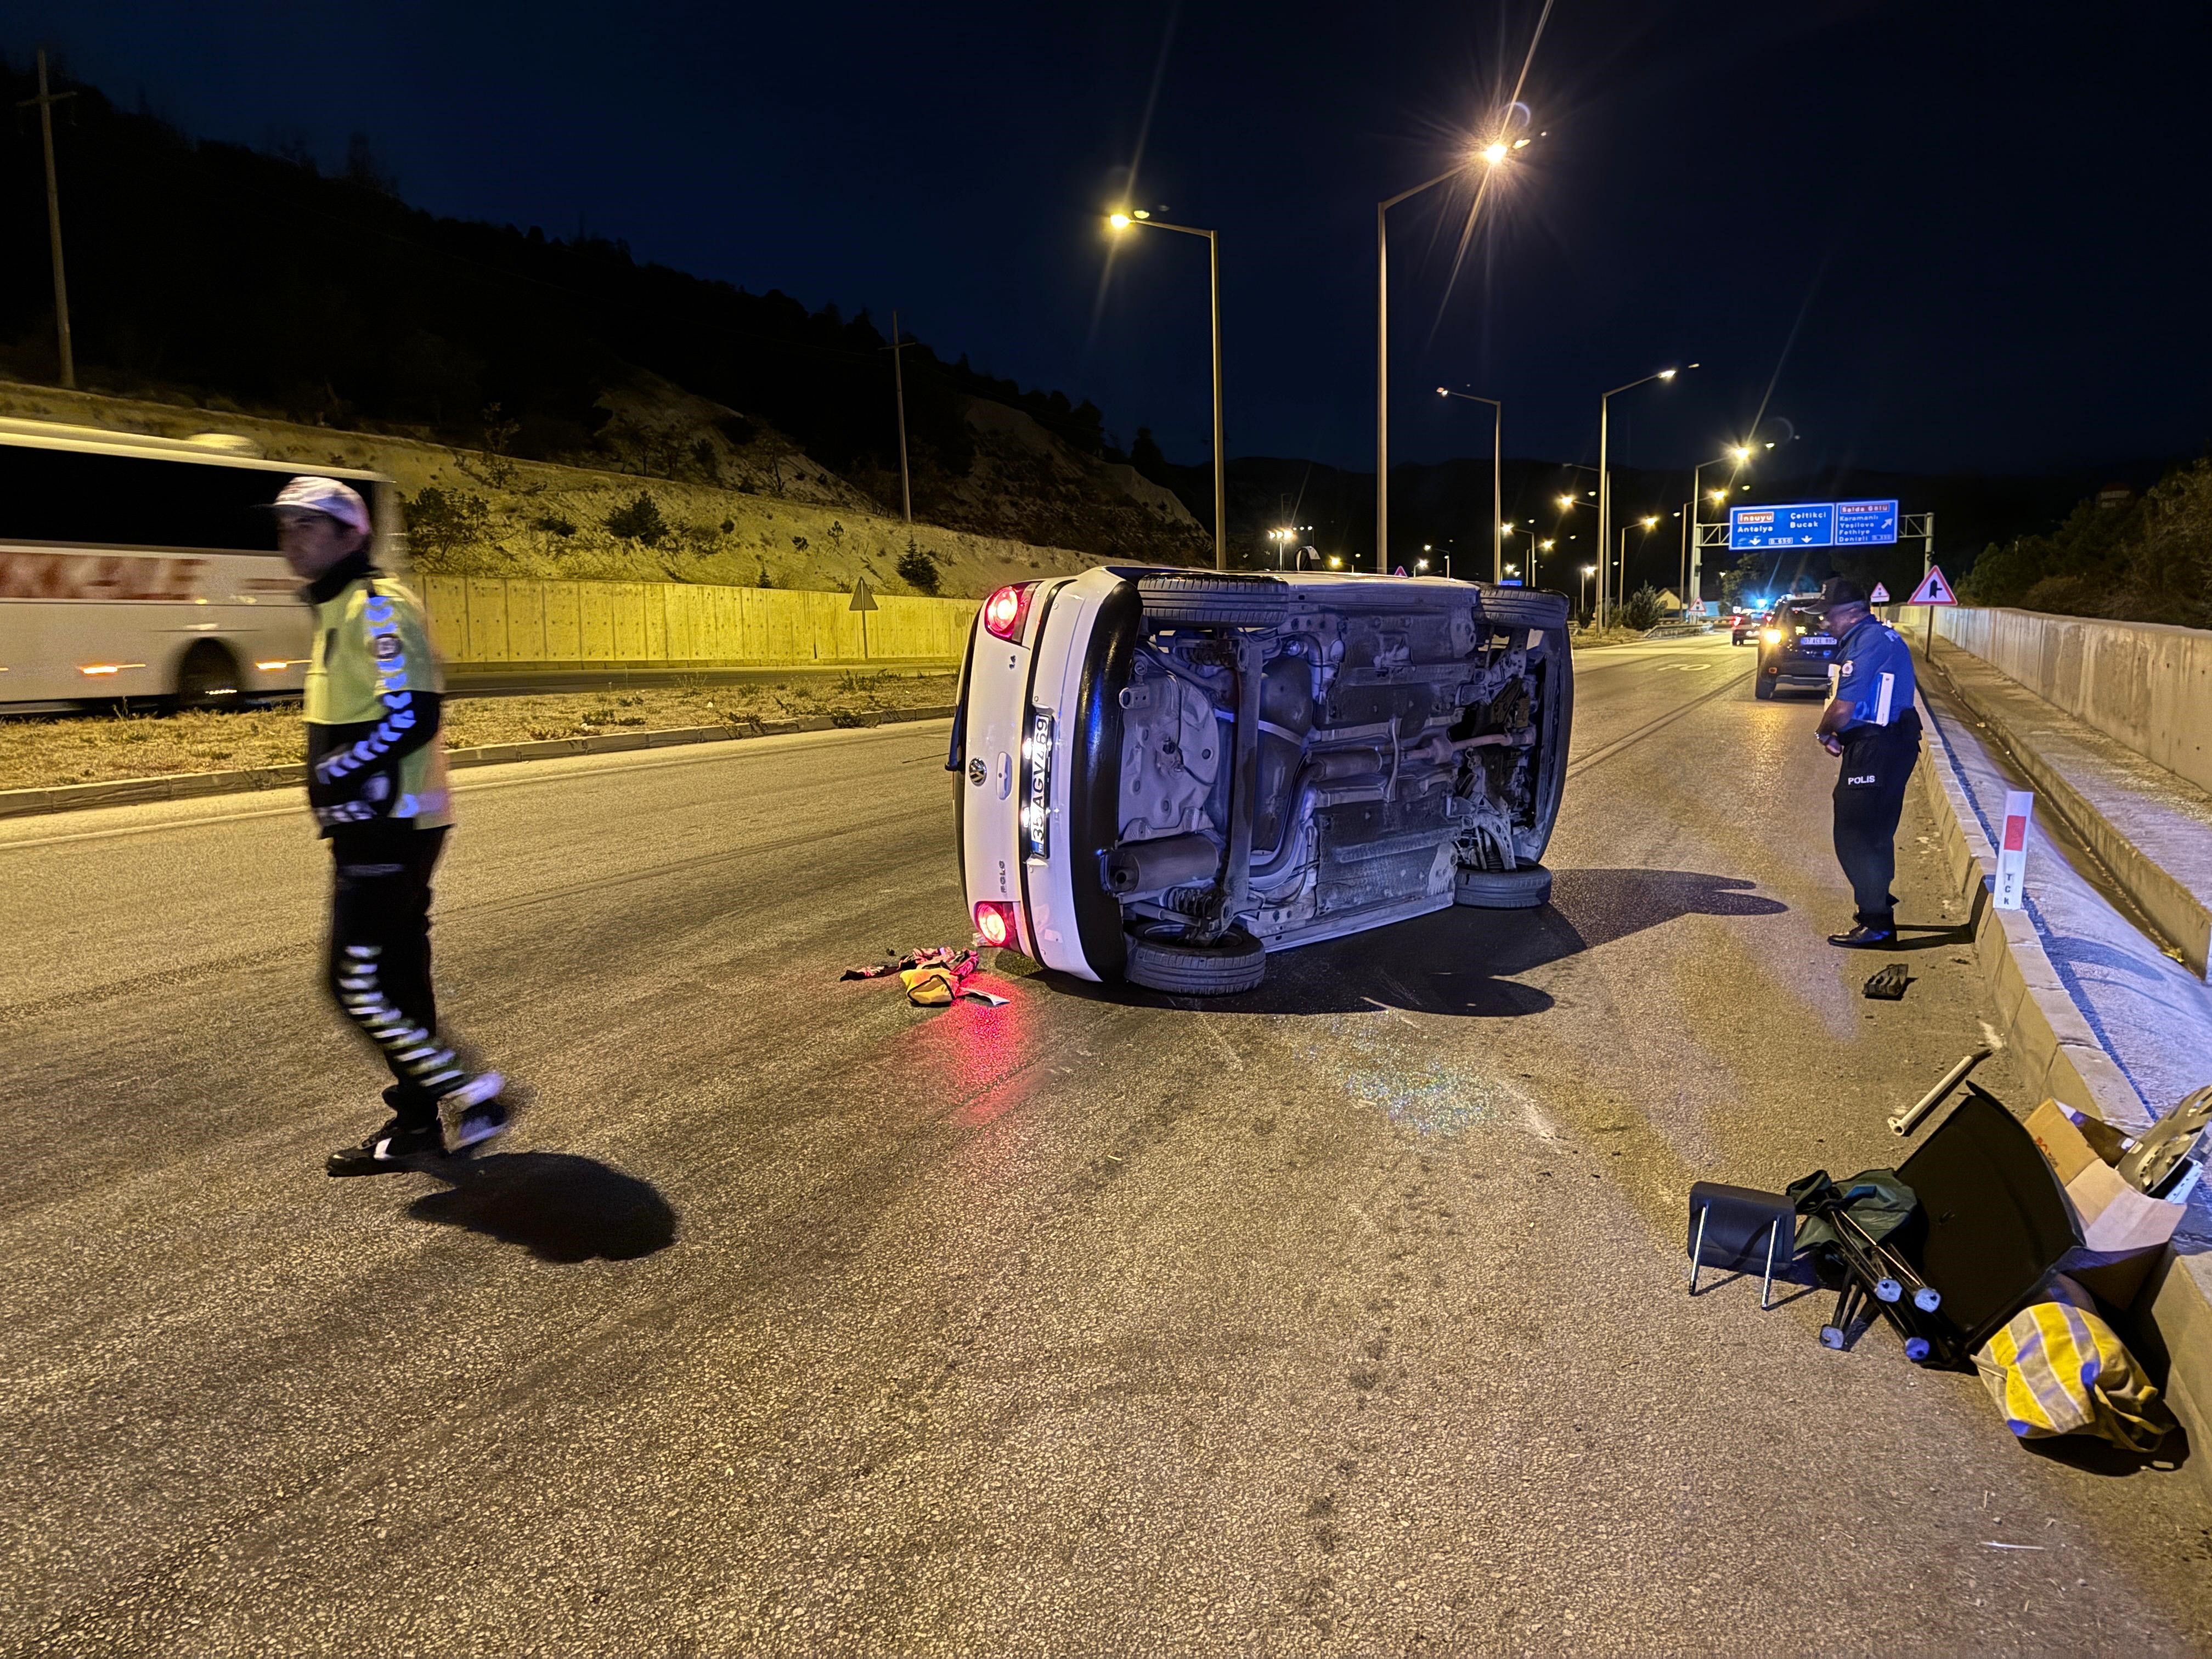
[379,959]
[1878,762]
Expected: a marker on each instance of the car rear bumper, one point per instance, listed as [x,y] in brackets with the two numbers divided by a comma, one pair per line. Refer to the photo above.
[1039,764]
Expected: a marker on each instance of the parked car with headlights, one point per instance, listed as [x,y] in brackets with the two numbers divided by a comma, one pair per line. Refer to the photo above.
[1164,775]
[1795,647]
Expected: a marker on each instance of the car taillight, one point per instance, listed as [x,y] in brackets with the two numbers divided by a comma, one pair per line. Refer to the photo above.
[994,921]
[1006,610]
[1772,636]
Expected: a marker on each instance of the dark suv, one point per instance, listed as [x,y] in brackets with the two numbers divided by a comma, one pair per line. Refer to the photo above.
[1794,645]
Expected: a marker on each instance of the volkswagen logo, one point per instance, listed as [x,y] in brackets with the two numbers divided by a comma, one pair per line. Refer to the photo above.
[977,772]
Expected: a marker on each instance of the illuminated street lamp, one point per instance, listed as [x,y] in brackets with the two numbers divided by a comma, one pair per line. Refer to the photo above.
[1494,155]
[1497,471]
[1739,453]
[1605,476]
[1121,222]
[1621,577]
[1588,570]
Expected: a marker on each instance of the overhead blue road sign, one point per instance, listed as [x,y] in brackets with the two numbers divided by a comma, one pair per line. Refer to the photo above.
[1796,524]
[1865,524]
[1814,524]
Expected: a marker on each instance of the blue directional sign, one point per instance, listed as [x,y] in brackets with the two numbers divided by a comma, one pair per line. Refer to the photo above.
[1865,524]
[1814,524]
[1796,524]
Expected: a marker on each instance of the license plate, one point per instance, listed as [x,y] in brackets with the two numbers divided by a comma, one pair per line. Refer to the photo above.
[1817,639]
[1037,785]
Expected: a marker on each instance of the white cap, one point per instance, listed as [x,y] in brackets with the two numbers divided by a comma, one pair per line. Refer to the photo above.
[327,496]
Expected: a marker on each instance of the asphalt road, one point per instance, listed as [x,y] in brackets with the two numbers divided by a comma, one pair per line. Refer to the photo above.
[1347,1316]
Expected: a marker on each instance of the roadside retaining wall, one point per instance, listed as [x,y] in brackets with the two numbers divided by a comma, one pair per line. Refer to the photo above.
[2170,1324]
[2144,684]
[530,621]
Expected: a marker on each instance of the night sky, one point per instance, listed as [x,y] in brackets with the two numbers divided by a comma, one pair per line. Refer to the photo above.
[1927,236]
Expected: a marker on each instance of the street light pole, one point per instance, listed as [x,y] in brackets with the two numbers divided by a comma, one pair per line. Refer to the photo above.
[45,100]
[1123,221]
[1605,476]
[1741,454]
[1496,478]
[1382,361]
[898,389]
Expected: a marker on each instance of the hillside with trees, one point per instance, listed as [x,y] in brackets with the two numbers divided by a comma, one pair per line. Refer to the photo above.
[214,274]
[2145,558]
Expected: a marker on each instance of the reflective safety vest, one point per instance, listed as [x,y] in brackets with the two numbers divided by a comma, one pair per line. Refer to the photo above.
[369,760]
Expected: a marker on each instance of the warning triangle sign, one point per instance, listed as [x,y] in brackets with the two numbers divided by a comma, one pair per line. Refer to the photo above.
[1880,596]
[864,600]
[1933,589]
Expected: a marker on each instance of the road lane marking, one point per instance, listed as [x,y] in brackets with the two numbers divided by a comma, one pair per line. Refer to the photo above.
[1575,767]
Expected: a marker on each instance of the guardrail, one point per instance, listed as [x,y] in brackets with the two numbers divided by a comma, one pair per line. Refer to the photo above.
[534,622]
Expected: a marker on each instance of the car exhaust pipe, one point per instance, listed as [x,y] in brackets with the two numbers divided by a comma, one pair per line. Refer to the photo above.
[1153,867]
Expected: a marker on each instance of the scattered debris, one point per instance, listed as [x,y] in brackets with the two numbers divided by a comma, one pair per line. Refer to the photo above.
[935,977]
[1888,985]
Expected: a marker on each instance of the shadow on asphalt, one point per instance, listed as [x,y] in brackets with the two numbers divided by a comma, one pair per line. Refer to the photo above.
[558,1206]
[2094,1456]
[1462,961]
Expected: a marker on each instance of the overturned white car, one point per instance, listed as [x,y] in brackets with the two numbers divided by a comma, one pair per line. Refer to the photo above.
[1163,775]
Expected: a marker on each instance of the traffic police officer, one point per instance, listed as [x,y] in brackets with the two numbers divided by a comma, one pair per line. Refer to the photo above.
[1871,723]
[376,783]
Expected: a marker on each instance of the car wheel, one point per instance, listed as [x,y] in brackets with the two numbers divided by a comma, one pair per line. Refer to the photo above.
[1162,958]
[208,678]
[1763,685]
[1522,889]
[1213,601]
[1521,607]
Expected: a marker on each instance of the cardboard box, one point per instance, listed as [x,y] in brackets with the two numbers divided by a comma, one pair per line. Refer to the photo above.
[2123,1231]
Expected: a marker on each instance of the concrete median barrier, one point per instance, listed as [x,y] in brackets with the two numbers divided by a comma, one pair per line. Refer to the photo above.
[2060,1056]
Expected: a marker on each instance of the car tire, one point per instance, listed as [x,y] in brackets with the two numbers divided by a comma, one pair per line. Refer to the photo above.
[1763,684]
[1160,960]
[1521,889]
[208,678]
[1522,607]
[1213,601]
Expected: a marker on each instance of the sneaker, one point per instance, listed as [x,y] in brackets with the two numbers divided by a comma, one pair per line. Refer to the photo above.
[1865,937]
[396,1147]
[483,1113]
[479,1123]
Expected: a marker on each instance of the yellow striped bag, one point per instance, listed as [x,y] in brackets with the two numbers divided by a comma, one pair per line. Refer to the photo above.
[2059,1369]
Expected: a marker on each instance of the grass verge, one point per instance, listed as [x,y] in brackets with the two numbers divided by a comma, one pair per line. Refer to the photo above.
[40,753]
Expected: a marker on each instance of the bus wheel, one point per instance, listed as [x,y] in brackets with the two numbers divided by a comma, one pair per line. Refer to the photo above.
[208,678]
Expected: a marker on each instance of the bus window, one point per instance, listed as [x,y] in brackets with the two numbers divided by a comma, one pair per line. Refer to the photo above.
[138,500]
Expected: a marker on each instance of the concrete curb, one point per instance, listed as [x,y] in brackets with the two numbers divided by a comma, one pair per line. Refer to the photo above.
[2170,1326]
[2177,912]
[187,786]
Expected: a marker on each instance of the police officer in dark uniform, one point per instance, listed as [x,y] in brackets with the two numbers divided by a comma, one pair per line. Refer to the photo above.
[1871,724]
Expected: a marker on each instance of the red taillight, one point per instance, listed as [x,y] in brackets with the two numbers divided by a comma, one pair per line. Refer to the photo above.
[1006,610]
[994,921]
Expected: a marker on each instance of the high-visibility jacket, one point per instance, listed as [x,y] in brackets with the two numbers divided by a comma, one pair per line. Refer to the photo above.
[374,693]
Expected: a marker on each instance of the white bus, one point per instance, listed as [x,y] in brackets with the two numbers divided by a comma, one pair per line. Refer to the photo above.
[145,570]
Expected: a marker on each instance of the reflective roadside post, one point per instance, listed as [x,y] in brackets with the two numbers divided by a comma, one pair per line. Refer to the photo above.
[2012,850]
